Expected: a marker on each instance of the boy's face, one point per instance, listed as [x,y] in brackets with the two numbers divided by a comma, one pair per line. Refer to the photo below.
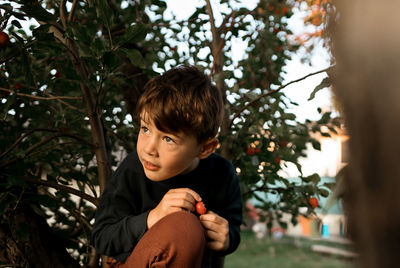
[165,155]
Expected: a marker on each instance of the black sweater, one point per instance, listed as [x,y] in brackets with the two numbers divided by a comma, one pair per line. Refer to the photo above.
[121,218]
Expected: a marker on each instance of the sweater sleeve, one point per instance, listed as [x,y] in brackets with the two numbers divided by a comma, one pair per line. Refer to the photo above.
[227,199]
[233,213]
[118,224]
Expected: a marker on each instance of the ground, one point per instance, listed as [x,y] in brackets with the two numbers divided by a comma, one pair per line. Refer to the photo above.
[285,252]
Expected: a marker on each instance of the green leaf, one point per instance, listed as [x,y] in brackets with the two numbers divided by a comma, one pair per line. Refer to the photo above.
[41,30]
[37,12]
[104,12]
[81,33]
[44,200]
[325,134]
[27,68]
[288,116]
[85,51]
[314,178]
[16,24]
[135,33]
[111,60]
[134,56]
[316,145]
[325,118]
[19,38]
[332,129]
[324,192]
[74,175]
[326,82]
[330,185]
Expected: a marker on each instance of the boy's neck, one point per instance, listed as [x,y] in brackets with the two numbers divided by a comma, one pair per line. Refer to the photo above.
[192,167]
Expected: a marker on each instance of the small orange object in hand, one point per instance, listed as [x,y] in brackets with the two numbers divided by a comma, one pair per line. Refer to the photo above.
[200,208]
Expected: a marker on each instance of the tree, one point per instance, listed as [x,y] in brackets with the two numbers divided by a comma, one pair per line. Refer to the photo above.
[368,89]
[70,87]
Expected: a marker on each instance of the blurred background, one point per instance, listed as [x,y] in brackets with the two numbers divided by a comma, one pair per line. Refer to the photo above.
[71,73]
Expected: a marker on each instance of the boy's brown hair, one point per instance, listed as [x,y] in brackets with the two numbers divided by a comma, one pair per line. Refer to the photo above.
[183,99]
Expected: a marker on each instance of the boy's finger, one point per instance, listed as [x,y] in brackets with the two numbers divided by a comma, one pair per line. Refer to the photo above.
[215,236]
[195,195]
[182,203]
[214,245]
[213,217]
[221,229]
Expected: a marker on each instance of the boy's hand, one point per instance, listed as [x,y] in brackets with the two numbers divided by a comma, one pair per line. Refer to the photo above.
[217,231]
[174,200]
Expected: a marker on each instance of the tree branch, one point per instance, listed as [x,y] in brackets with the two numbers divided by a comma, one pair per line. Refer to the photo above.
[43,141]
[222,41]
[63,14]
[21,138]
[72,12]
[9,9]
[63,188]
[265,189]
[89,98]
[127,145]
[74,213]
[39,97]
[276,90]
[98,136]
[212,21]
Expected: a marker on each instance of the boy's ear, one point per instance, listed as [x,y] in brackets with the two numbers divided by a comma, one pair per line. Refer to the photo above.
[208,148]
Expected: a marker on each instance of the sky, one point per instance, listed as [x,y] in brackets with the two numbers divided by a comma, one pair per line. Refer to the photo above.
[295,69]
[298,92]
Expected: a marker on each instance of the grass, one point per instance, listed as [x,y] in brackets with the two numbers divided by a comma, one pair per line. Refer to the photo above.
[285,252]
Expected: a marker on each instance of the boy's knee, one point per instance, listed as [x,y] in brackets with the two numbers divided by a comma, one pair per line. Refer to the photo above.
[178,238]
[184,227]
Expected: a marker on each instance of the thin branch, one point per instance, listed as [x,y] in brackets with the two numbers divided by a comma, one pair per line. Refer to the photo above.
[48,139]
[61,144]
[72,12]
[23,137]
[212,21]
[69,105]
[217,43]
[220,47]
[127,145]
[9,9]
[42,142]
[221,44]
[265,189]
[74,213]
[63,188]
[276,90]
[63,14]
[41,98]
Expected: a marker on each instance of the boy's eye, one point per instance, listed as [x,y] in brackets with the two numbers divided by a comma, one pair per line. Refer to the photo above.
[145,129]
[168,139]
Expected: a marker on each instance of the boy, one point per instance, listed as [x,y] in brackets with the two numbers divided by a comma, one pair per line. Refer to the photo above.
[146,216]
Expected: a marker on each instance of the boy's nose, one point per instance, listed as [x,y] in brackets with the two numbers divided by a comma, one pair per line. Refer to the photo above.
[150,147]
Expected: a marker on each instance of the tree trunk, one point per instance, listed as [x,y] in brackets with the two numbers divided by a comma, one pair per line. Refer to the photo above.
[28,241]
[366,48]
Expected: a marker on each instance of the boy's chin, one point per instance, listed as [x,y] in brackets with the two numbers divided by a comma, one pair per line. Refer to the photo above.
[155,177]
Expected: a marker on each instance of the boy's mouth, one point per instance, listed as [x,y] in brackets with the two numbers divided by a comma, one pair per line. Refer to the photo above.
[150,166]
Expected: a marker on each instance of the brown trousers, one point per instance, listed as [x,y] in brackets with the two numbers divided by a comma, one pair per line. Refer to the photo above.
[176,241]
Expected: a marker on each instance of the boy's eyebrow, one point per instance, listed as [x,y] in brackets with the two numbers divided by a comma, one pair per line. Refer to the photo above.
[143,118]
[168,133]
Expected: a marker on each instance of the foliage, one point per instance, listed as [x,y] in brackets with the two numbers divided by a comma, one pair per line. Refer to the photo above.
[70,85]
